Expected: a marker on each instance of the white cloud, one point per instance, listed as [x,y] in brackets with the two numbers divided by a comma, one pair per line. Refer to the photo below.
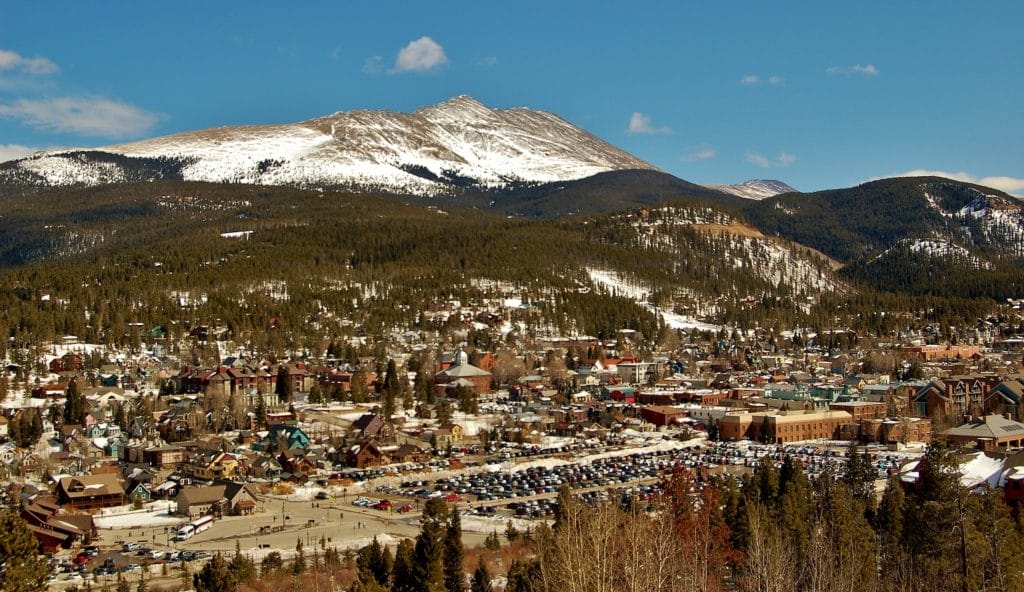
[421,55]
[697,153]
[487,62]
[372,65]
[641,124]
[784,159]
[87,116]
[15,151]
[335,52]
[1010,185]
[759,160]
[12,60]
[868,70]
[754,79]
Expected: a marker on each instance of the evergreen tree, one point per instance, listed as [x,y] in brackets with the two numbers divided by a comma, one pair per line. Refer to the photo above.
[524,576]
[21,566]
[271,563]
[283,388]
[261,412]
[454,574]
[404,571]
[859,475]
[375,560]
[299,561]
[428,553]
[481,578]
[241,566]
[358,390]
[215,576]
[390,390]
[889,517]
[75,405]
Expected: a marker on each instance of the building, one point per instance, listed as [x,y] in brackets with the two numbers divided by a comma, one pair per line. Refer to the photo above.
[462,373]
[783,428]
[163,457]
[200,501]
[988,433]
[894,431]
[862,409]
[88,492]
[662,415]
[225,497]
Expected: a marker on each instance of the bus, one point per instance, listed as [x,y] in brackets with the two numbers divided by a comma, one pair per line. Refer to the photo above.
[193,528]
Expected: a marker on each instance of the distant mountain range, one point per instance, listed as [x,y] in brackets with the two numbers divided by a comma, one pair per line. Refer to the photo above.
[920,235]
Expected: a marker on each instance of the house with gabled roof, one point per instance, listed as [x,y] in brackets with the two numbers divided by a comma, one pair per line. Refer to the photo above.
[1005,398]
[87,492]
[988,432]
[373,426]
[284,436]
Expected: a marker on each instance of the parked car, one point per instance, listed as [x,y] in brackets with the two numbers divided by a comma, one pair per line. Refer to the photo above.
[383,505]
[405,508]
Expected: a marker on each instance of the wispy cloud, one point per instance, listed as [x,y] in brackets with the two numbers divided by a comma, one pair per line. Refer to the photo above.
[373,65]
[39,66]
[698,153]
[864,70]
[487,62]
[421,55]
[1012,185]
[15,151]
[87,116]
[335,53]
[640,124]
[784,159]
[754,79]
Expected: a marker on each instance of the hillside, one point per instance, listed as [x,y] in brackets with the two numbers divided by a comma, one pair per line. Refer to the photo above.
[848,224]
[181,252]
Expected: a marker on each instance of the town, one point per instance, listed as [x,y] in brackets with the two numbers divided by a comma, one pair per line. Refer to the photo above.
[145,466]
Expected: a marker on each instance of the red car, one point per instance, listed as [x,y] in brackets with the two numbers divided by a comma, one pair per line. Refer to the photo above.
[383,505]
[454,497]
[405,508]
[81,559]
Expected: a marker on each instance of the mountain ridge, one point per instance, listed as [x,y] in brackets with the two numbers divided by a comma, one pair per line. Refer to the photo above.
[460,142]
[755,189]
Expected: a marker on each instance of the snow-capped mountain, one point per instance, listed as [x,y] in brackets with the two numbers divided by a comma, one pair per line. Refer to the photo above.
[460,142]
[755,188]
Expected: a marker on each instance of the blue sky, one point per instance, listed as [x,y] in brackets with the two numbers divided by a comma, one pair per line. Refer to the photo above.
[817,94]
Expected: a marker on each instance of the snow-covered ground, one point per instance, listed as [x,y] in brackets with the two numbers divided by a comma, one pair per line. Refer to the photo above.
[615,284]
[154,514]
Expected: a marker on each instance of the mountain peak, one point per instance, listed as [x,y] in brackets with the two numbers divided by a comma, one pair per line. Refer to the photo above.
[432,151]
[755,188]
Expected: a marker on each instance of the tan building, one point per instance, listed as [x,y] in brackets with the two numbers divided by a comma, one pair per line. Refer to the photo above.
[783,428]
[988,433]
[894,431]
